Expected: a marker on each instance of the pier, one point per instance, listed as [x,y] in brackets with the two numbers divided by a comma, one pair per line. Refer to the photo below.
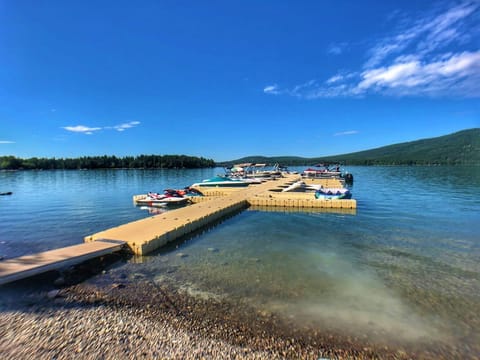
[146,235]
[30,265]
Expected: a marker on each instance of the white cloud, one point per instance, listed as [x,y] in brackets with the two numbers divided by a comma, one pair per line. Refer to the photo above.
[270,89]
[416,59]
[447,27]
[90,130]
[6,142]
[422,36]
[453,74]
[334,79]
[128,125]
[348,132]
[82,129]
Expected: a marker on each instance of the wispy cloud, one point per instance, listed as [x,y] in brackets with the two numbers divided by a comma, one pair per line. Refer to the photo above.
[128,125]
[416,59]
[348,132]
[334,79]
[7,142]
[90,130]
[82,129]
[271,89]
[425,35]
[337,49]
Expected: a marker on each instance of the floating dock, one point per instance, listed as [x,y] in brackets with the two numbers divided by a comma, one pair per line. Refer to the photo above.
[146,235]
[30,265]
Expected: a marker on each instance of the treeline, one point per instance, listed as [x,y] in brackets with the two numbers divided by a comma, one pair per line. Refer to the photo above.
[106,162]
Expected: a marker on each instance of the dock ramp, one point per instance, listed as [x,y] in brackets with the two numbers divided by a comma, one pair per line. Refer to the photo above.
[30,265]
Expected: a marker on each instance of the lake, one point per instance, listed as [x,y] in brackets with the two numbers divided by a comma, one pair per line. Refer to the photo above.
[403,267]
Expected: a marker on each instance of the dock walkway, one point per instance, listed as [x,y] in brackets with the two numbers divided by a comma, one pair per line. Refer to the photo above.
[29,265]
[146,235]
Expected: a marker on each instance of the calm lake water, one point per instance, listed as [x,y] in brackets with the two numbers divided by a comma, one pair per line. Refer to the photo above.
[405,264]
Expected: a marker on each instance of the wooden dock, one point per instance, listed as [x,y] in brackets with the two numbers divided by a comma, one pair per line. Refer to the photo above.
[30,265]
[146,235]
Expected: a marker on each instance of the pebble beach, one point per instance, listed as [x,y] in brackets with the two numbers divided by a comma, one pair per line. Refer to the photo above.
[146,321]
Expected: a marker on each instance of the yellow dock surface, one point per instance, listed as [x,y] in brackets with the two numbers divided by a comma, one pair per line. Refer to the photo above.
[146,235]
[29,265]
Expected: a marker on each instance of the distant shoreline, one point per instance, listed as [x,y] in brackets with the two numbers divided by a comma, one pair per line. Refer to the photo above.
[121,168]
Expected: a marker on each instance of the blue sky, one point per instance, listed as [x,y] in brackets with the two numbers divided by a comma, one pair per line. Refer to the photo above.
[227,79]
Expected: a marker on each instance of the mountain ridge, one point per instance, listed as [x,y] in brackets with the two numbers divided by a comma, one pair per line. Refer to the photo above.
[458,148]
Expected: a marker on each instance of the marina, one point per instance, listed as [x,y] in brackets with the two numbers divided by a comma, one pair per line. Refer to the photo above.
[147,235]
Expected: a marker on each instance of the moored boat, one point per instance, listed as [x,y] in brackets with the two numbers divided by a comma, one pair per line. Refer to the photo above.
[221,181]
[333,194]
[169,197]
[325,171]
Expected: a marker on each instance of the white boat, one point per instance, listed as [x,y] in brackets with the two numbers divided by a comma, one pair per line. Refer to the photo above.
[155,199]
[260,171]
[221,181]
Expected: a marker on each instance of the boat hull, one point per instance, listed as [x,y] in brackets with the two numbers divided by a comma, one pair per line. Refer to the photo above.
[333,194]
[148,201]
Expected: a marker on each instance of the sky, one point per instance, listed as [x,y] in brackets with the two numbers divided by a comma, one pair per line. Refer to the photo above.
[228,79]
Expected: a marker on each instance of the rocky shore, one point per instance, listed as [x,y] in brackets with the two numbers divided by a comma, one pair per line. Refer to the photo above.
[145,320]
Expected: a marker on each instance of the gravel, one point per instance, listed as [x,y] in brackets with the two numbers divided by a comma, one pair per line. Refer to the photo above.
[144,320]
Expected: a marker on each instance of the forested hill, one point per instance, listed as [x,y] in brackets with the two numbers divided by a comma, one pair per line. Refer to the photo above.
[460,148]
[107,162]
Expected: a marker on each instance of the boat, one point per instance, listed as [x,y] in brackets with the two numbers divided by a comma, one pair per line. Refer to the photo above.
[6,193]
[169,197]
[321,171]
[221,181]
[332,194]
[260,171]
[159,202]
[326,171]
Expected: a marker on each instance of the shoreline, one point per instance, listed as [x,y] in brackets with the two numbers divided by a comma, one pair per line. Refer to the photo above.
[144,320]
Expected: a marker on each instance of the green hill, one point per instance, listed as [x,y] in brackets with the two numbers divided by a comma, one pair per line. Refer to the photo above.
[460,148]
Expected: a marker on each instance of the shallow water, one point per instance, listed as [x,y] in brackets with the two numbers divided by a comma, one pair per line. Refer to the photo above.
[403,267]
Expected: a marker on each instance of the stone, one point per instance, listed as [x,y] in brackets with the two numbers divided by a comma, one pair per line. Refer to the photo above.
[60,281]
[52,294]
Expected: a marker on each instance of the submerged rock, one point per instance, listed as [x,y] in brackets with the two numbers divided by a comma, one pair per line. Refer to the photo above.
[60,281]
[52,294]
